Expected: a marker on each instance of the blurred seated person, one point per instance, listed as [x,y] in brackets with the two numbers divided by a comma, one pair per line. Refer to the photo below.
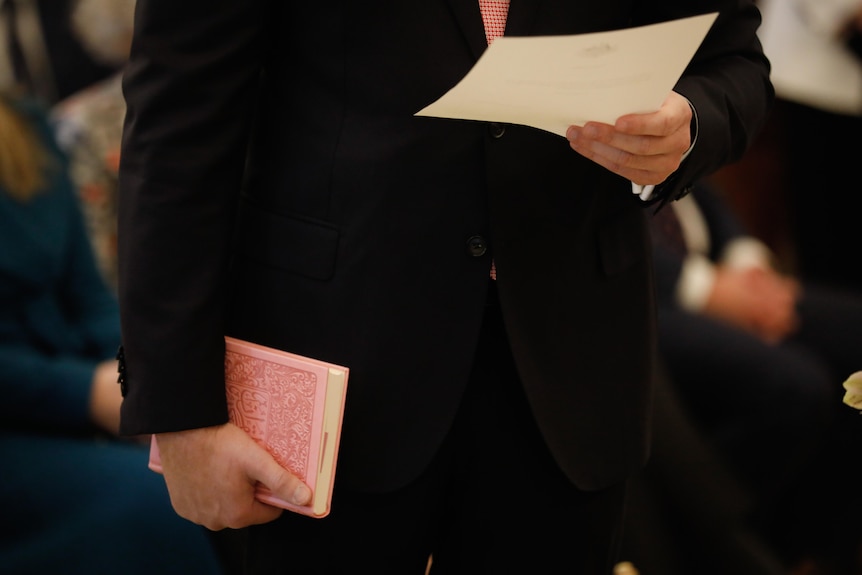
[89,122]
[75,498]
[757,357]
[815,48]
[39,52]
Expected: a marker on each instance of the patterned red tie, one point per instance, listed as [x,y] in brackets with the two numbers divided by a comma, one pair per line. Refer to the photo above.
[494,14]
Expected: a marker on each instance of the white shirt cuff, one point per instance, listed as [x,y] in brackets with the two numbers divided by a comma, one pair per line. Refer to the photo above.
[695,282]
[645,192]
[747,252]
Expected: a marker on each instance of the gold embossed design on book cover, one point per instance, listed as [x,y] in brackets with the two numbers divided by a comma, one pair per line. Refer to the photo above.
[273,403]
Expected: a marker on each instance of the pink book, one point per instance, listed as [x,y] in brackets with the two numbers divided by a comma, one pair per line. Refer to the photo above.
[293,406]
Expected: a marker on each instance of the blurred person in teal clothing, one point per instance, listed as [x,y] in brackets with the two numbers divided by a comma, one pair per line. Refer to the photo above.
[75,498]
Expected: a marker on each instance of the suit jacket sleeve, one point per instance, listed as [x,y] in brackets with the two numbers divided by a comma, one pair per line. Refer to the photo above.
[190,81]
[728,84]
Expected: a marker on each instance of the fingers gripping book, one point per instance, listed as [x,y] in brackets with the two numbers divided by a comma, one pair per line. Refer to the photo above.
[291,405]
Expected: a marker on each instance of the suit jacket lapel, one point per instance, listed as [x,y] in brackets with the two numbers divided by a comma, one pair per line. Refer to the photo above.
[521,18]
[467,14]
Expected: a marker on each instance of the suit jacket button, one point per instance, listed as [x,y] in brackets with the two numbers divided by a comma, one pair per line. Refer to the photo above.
[496,130]
[477,246]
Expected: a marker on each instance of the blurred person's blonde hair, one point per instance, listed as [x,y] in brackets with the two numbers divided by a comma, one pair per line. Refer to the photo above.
[24,161]
[104,28]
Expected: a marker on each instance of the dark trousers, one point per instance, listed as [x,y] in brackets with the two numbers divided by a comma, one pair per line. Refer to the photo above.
[774,412]
[687,511]
[492,501]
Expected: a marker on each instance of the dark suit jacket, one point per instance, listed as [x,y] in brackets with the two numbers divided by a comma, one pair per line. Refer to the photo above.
[352,240]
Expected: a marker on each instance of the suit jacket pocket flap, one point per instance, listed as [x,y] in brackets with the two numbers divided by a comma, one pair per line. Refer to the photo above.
[294,245]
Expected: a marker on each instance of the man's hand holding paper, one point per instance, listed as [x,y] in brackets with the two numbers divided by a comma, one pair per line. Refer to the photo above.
[609,93]
[643,148]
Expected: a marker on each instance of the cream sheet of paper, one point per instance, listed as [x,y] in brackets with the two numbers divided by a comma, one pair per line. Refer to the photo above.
[552,82]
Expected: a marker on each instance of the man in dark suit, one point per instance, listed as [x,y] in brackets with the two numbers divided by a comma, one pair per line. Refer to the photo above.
[276,186]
